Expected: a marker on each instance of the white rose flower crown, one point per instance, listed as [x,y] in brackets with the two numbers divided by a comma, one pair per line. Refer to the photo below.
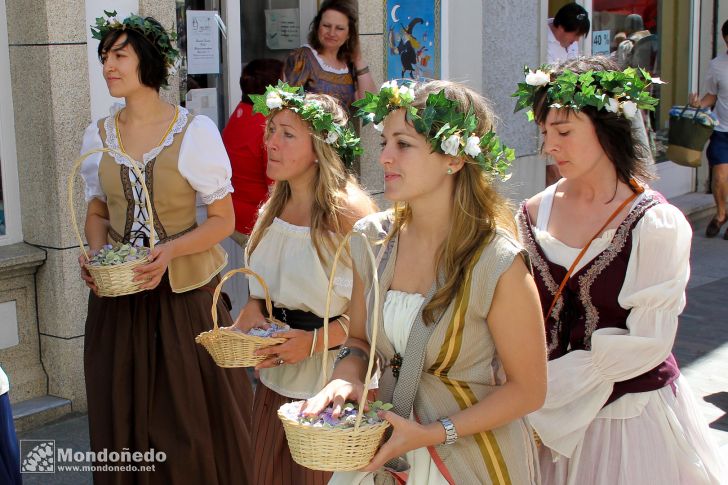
[448,130]
[619,92]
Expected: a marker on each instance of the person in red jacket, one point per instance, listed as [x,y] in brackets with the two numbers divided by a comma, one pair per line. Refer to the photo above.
[243,139]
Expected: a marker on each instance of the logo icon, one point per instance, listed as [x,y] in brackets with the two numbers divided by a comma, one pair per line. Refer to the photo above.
[39,456]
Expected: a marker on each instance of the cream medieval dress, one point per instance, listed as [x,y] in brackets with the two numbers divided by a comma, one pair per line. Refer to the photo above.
[298,280]
[149,385]
[446,367]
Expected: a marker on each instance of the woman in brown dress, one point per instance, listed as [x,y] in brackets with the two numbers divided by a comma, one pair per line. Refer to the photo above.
[314,203]
[149,386]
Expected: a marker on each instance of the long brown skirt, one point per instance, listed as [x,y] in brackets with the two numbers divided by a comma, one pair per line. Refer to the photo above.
[150,386]
[273,464]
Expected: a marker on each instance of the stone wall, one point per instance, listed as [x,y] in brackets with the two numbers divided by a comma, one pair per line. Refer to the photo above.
[49,73]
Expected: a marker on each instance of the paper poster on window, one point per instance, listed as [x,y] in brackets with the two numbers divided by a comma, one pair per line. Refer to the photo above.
[202,102]
[203,43]
[412,45]
[282,28]
[600,42]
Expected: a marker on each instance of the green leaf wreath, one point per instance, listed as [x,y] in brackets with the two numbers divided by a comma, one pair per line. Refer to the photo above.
[620,92]
[448,130]
[341,137]
[161,39]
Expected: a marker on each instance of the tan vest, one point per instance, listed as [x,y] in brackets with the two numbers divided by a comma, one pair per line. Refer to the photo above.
[460,364]
[173,207]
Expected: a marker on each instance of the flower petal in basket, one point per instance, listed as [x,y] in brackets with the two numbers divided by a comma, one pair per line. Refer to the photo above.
[332,449]
[116,279]
[230,348]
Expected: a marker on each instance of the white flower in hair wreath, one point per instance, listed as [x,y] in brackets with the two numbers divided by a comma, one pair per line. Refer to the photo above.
[447,128]
[283,96]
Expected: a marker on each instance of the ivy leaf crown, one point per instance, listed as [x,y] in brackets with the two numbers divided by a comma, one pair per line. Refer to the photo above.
[282,96]
[448,129]
[620,92]
[156,35]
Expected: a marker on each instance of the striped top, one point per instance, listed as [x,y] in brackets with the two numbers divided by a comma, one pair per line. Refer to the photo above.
[460,365]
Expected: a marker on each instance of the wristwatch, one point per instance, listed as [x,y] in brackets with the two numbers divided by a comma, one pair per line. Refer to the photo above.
[345,352]
[451,434]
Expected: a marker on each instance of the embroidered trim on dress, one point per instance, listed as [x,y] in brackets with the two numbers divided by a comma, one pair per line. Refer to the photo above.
[159,229]
[600,264]
[323,63]
[113,142]
[540,264]
[218,194]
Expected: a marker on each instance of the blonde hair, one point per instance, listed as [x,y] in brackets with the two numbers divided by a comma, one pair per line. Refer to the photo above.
[331,187]
[478,208]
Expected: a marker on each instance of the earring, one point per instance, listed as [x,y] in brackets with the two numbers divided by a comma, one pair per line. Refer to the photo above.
[449,171]
[316,161]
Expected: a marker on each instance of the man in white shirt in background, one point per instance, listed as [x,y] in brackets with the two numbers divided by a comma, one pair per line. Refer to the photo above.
[570,24]
[716,97]
[9,455]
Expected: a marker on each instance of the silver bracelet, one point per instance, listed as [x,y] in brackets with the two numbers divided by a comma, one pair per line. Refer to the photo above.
[451,434]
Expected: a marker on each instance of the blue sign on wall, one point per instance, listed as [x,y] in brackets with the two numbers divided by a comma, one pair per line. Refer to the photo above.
[412,43]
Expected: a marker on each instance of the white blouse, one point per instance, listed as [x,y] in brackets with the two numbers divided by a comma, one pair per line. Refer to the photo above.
[288,263]
[654,290]
[203,160]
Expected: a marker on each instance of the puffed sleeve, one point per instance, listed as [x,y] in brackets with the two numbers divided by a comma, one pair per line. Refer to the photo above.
[90,166]
[297,69]
[581,381]
[203,160]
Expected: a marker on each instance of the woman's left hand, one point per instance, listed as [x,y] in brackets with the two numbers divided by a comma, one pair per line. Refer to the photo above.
[407,435]
[152,272]
[296,348]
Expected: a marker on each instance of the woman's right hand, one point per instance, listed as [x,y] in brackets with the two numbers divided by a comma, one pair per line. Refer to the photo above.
[337,392]
[85,275]
[250,317]
[694,100]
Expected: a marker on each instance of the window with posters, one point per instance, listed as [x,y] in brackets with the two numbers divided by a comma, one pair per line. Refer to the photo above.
[654,35]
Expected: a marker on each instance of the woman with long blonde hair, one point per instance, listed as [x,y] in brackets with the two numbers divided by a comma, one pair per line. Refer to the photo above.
[314,204]
[463,360]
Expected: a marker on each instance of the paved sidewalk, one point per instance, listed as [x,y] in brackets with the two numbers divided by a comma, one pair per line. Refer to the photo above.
[701,349]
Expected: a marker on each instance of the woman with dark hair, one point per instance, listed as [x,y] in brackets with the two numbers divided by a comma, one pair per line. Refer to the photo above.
[611,266]
[331,63]
[243,138]
[150,388]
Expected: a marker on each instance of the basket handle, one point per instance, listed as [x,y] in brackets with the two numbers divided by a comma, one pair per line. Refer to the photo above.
[375,321]
[230,274]
[77,163]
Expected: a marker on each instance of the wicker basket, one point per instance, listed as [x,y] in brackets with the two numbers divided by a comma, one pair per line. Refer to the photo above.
[229,348]
[114,280]
[333,449]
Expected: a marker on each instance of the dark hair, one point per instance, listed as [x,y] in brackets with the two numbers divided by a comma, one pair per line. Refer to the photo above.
[346,51]
[259,74]
[152,66]
[724,29]
[614,132]
[572,18]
